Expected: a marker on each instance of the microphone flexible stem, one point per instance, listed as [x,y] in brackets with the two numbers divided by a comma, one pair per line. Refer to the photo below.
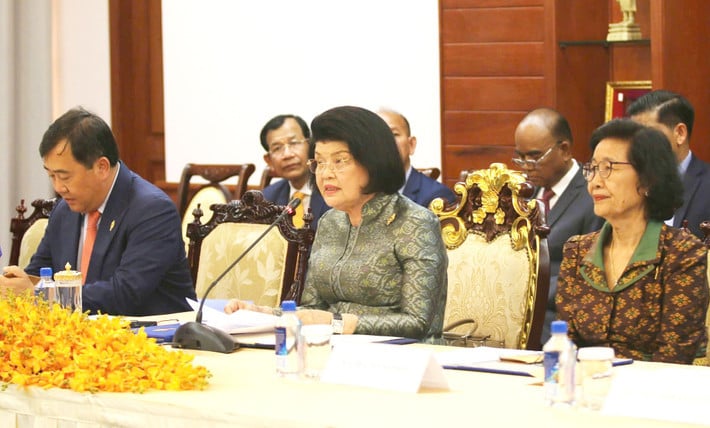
[288,210]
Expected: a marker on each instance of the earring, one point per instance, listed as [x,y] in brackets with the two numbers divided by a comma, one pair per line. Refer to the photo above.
[645,193]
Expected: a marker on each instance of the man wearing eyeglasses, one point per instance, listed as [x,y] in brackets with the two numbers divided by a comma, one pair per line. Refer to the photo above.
[673,115]
[285,139]
[543,148]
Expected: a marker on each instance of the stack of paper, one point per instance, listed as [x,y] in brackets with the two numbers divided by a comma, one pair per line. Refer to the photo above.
[238,322]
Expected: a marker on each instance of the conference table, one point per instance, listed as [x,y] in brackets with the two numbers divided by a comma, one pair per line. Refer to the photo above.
[244,390]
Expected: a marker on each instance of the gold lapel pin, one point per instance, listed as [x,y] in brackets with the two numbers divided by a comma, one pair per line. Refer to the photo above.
[391,219]
[113,223]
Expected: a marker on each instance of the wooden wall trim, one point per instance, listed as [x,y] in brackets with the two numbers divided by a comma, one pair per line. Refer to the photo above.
[137,85]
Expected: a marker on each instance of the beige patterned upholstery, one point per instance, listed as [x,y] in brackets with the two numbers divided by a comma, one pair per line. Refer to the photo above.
[498,260]
[257,277]
[272,271]
[28,232]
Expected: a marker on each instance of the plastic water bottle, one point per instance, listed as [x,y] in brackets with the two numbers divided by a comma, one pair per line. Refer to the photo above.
[560,355]
[45,288]
[288,332]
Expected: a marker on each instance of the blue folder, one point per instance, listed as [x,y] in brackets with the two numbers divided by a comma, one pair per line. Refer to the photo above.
[161,332]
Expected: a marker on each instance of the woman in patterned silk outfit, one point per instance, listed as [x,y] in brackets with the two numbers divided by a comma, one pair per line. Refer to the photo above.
[378,258]
[636,285]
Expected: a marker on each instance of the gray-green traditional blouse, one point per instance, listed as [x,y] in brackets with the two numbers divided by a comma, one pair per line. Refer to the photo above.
[390,271]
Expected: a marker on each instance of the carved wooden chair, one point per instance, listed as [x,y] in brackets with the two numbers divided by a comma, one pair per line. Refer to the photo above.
[212,190]
[27,232]
[273,271]
[464,173]
[499,265]
[432,173]
[266,176]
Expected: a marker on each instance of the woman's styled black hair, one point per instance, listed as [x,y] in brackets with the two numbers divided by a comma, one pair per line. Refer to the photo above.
[370,141]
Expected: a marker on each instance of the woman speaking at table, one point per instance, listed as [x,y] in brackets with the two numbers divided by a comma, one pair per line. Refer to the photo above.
[636,285]
[378,259]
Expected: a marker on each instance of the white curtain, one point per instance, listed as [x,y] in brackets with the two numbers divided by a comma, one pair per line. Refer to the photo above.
[54,55]
[25,105]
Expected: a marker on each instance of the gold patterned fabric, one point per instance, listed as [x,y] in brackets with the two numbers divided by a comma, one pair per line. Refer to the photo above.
[657,310]
[390,271]
[257,277]
[485,285]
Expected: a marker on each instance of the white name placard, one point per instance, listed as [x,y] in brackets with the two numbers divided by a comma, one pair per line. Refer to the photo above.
[382,366]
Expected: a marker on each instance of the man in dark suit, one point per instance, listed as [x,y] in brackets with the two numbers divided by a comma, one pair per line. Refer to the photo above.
[673,115]
[134,263]
[417,187]
[285,139]
[543,145]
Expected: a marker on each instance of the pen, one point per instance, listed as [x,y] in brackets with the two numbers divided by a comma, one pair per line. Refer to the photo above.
[255,345]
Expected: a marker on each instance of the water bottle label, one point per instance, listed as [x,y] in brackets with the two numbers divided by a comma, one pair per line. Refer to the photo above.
[281,344]
[551,363]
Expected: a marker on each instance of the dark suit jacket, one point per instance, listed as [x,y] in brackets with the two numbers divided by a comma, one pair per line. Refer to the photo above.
[573,214]
[696,197]
[422,189]
[138,264]
[280,193]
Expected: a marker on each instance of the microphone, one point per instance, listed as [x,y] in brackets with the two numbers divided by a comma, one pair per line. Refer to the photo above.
[194,334]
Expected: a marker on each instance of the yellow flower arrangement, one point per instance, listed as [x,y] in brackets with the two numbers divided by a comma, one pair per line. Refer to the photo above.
[48,346]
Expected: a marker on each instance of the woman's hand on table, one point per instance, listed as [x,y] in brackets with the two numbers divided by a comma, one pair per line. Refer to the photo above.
[307,316]
[317,316]
[235,305]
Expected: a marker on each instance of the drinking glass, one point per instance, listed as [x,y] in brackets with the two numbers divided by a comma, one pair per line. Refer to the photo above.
[595,367]
[316,348]
[68,284]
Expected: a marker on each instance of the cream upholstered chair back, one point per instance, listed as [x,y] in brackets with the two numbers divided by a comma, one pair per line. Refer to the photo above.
[498,260]
[30,241]
[274,270]
[27,232]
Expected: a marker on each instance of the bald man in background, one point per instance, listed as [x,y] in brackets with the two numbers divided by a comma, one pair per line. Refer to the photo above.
[417,187]
[543,146]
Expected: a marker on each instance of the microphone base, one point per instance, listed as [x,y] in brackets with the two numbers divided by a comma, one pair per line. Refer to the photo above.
[194,335]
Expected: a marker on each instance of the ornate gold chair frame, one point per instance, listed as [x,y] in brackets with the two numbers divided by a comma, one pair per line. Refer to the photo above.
[490,203]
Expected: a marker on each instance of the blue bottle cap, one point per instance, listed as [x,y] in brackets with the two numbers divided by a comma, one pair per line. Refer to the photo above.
[45,271]
[288,305]
[558,327]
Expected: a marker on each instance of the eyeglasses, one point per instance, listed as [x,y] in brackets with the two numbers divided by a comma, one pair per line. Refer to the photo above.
[533,163]
[338,164]
[604,168]
[279,149]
